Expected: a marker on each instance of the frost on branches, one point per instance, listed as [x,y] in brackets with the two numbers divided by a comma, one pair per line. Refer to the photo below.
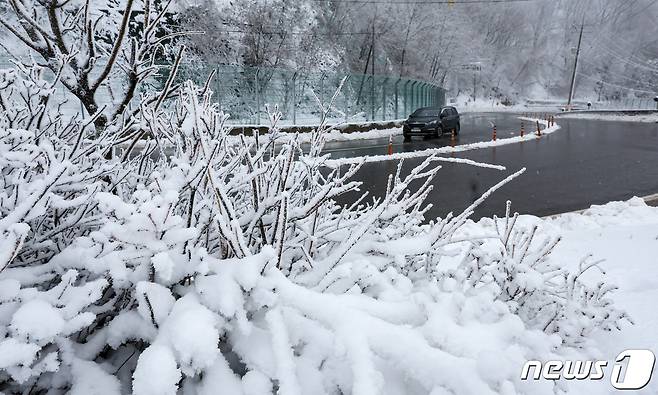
[195,263]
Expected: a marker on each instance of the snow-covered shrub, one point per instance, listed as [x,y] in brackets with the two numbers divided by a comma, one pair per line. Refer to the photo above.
[191,261]
[544,293]
[49,168]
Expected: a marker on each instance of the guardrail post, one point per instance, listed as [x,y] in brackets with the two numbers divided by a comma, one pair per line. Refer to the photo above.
[406,98]
[414,99]
[346,96]
[257,98]
[384,98]
[396,99]
[423,87]
[422,94]
[372,98]
[294,98]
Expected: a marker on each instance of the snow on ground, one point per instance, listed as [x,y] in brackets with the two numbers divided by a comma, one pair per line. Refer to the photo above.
[531,135]
[613,116]
[466,105]
[624,237]
[337,135]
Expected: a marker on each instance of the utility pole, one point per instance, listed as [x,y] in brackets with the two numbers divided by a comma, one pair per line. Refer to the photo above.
[575,66]
[476,67]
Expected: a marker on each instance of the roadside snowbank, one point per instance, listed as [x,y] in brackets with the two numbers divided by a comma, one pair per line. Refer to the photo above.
[466,105]
[624,235]
[531,135]
[617,117]
[337,135]
[623,238]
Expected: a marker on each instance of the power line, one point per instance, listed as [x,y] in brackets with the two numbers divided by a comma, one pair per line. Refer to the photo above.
[422,2]
[618,75]
[282,33]
[625,59]
[631,57]
[614,85]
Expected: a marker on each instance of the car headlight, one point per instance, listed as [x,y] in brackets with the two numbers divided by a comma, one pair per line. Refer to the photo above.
[435,122]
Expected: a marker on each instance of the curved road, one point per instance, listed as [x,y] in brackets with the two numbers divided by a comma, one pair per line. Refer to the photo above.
[586,162]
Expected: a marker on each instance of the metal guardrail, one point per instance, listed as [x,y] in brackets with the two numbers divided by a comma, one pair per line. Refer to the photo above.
[244,93]
[300,96]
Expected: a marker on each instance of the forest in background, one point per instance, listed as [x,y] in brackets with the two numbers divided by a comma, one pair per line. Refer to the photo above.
[524,49]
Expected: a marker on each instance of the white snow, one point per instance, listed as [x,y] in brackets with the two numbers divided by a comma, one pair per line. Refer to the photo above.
[26,323]
[14,352]
[337,135]
[9,289]
[612,116]
[155,302]
[156,372]
[191,332]
[91,379]
[625,236]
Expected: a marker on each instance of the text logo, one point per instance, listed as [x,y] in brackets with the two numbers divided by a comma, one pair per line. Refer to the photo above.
[632,370]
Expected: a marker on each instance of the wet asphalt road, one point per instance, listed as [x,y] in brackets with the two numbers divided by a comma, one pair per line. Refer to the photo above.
[474,128]
[586,162]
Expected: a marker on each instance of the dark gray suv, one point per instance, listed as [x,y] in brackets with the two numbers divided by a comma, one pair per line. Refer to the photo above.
[431,121]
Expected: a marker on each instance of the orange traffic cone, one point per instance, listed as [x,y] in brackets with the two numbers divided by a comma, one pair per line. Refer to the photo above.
[390,145]
[494,133]
[452,138]
[522,128]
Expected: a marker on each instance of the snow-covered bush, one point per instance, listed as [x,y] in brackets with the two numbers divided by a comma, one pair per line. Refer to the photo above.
[164,256]
[544,293]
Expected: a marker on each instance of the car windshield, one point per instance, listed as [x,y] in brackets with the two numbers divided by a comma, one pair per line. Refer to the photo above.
[426,112]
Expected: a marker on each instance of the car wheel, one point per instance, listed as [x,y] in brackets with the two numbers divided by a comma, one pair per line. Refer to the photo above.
[458,128]
[439,132]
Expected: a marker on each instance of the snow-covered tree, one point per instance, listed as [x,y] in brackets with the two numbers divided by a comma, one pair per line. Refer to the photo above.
[95,49]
